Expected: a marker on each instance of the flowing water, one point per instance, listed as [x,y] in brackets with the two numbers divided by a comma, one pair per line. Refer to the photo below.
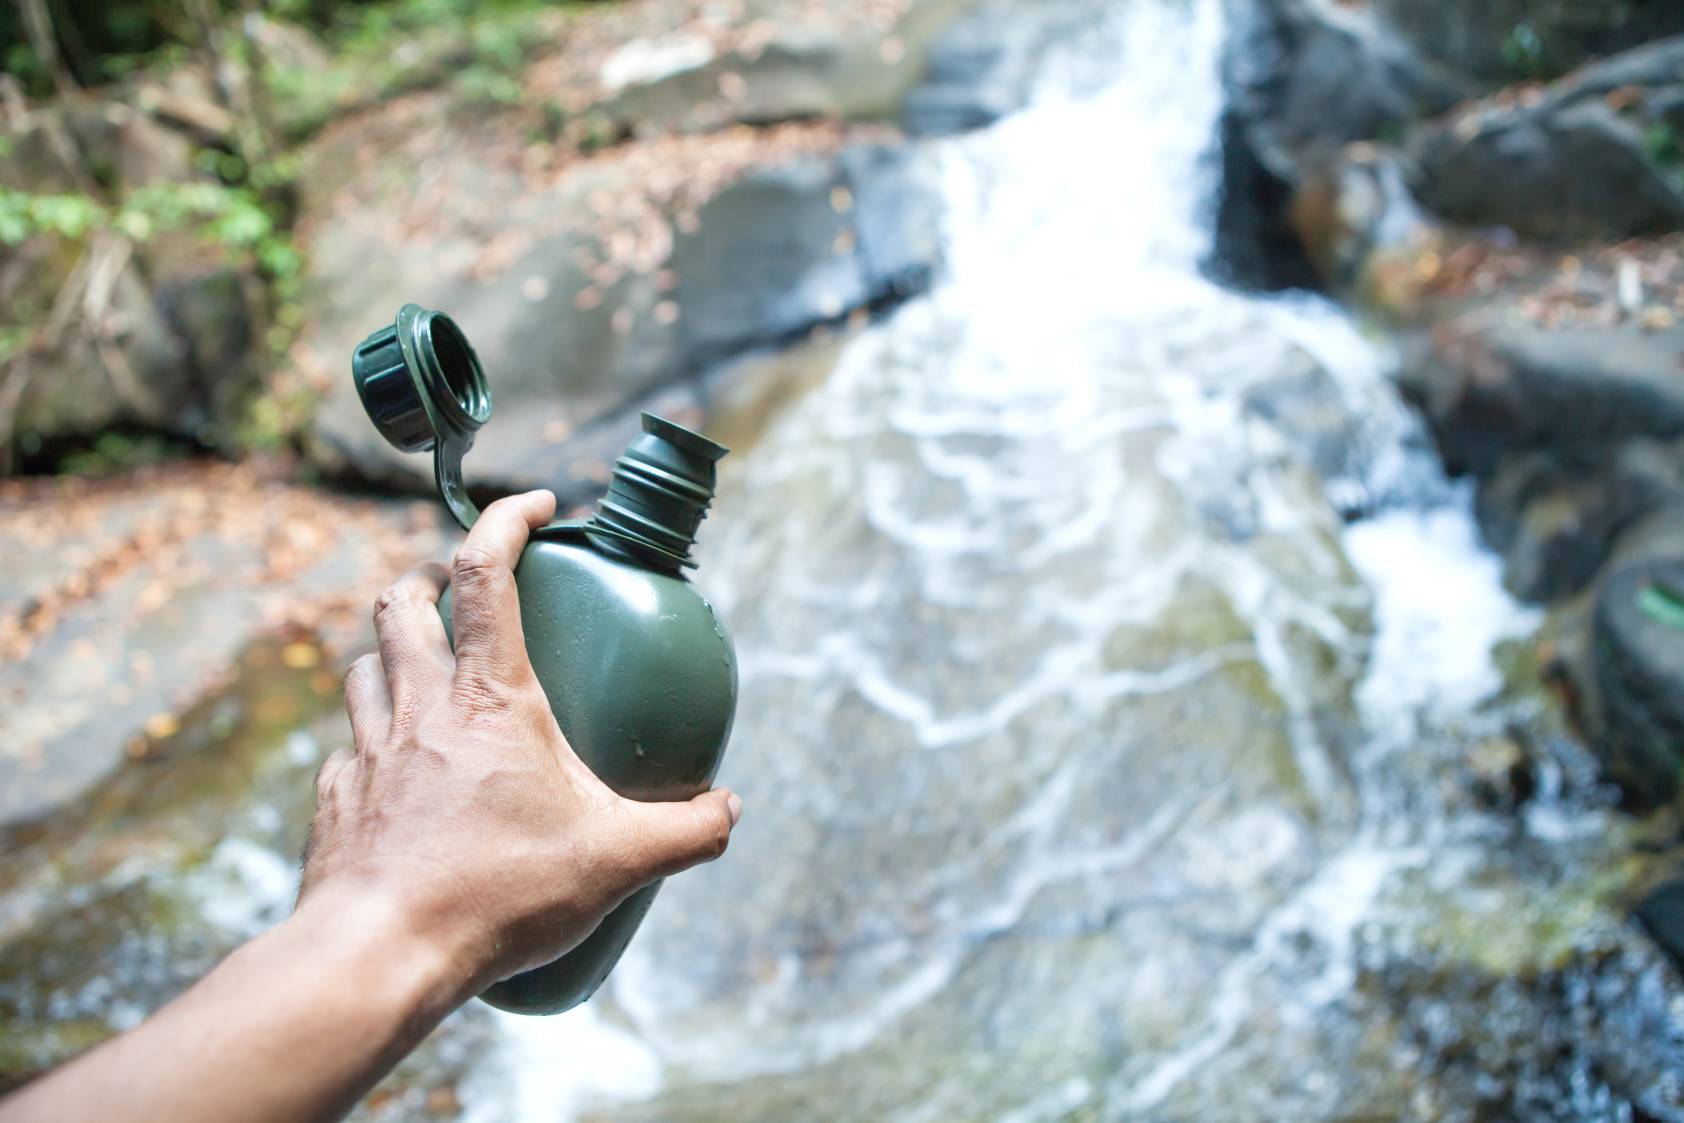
[1096,767]
[1113,657]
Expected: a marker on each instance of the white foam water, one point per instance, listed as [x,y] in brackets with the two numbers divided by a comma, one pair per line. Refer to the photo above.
[1061,433]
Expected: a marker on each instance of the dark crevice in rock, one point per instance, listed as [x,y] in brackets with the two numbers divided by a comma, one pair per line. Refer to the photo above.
[1590,1040]
[1255,247]
[112,448]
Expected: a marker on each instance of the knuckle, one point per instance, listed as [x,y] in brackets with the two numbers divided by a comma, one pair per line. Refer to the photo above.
[718,835]
[478,693]
[475,564]
[363,667]
[327,776]
[392,597]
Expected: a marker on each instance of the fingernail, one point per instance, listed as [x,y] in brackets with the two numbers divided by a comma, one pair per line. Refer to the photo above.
[734,804]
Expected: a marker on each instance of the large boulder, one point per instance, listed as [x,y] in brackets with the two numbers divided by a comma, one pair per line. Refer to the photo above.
[1360,228]
[1637,650]
[1618,660]
[1306,77]
[1583,158]
[1492,383]
[1596,154]
[1661,913]
[979,69]
[157,333]
[1557,521]
[684,85]
[128,600]
[1573,434]
[1499,41]
[803,244]
[577,332]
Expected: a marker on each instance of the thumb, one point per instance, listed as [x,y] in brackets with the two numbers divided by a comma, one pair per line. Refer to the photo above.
[672,837]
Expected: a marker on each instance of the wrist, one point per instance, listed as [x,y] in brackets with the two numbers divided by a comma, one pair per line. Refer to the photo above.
[413,967]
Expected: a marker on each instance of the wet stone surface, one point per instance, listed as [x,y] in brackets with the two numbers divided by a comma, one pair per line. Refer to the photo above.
[114,906]
[1133,727]
[132,598]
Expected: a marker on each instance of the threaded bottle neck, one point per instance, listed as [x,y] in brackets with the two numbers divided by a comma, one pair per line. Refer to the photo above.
[659,493]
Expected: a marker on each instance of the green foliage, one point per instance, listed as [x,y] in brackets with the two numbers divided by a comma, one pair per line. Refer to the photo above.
[14,340]
[1662,604]
[483,85]
[232,217]
[379,50]
[1523,53]
[243,196]
[101,40]
[112,453]
[1665,146]
[1666,149]
[1551,37]
[382,47]
[23,214]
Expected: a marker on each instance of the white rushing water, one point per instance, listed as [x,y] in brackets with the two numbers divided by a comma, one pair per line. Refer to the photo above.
[964,561]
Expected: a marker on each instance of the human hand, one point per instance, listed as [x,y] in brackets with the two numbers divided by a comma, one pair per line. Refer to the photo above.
[463,809]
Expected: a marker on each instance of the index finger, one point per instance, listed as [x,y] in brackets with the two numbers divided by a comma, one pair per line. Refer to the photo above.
[486,608]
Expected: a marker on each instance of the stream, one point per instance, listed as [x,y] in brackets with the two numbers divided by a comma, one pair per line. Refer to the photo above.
[1117,666]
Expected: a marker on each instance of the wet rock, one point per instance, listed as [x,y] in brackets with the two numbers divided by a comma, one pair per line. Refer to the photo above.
[1493,383]
[1361,228]
[1637,652]
[133,598]
[791,247]
[800,74]
[174,860]
[1588,157]
[1500,41]
[1306,78]
[1501,773]
[1305,404]
[159,334]
[1595,1038]
[1255,246]
[1577,160]
[1661,913]
[791,78]
[1557,521]
[1571,433]
[573,356]
[977,71]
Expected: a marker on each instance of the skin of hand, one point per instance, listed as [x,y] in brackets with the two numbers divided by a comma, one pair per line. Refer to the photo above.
[462,797]
[459,842]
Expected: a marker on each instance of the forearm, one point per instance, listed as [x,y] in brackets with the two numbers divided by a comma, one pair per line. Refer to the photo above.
[295,1025]
[463,839]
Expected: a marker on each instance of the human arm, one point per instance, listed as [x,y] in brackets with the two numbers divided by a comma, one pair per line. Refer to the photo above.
[460,842]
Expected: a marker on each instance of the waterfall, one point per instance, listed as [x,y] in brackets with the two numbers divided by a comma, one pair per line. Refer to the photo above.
[1081,712]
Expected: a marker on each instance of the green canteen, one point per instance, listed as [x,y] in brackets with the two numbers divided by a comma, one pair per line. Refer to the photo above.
[638,669]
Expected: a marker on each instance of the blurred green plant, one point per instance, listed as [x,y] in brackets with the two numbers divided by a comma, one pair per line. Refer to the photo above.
[483,85]
[1666,149]
[1665,146]
[232,217]
[112,453]
[242,200]
[1524,56]
[1551,37]
[100,41]
[380,50]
